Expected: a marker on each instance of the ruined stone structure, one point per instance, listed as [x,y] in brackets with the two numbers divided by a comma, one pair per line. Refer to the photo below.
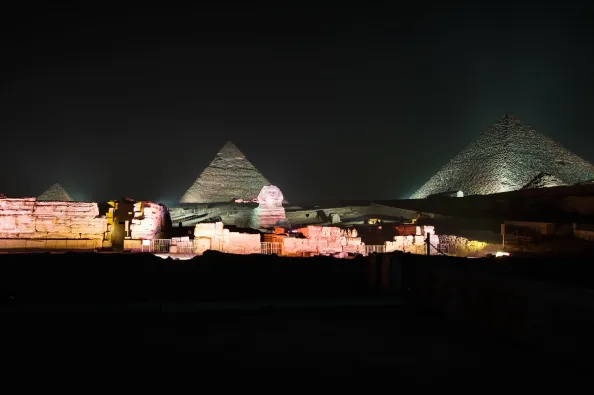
[244,214]
[150,221]
[55,193]
[215,237]
[464,247]
[417,243]
[323,240]
[346,215]
[270,211]
[129,222]
[29,223]
[509,156]
[230,176]
[237,214]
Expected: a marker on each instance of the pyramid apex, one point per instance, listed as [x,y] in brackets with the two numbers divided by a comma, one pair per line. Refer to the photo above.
[56,193]
[507,117]
[230,150]
[228,177]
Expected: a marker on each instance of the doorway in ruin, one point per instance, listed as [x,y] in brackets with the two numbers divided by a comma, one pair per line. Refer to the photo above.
[118,235]
[122,218]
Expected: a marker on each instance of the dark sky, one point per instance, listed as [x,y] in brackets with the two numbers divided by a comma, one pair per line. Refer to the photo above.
[354,102]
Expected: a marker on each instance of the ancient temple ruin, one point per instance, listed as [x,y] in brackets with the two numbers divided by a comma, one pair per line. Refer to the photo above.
[509,156]
[229,177]
[27,223]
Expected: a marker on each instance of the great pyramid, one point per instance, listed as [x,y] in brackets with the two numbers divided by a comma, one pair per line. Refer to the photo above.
[55,193]
[507,157]
[229,176]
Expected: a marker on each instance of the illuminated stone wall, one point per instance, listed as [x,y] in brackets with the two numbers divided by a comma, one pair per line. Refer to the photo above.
[28,218]
[214,236]
[415,244]
[508,157]
[150,221]
[323,240]
[463,247]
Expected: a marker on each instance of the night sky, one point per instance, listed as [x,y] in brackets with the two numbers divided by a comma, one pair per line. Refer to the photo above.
[349,102]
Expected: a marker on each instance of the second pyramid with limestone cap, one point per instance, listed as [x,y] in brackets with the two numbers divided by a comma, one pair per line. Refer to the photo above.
[229,176]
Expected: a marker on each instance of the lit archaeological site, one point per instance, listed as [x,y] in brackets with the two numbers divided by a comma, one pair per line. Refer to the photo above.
[510,190]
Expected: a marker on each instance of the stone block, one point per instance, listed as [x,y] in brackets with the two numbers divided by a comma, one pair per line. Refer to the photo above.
[15,244]
[35,244]
[35,235]
[201,245]
[130,245]
[92,236]
[204,230]
[22,206]
[66,209]
[17,223]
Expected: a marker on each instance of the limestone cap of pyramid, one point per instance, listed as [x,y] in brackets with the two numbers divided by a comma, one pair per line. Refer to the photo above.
[229,176]
[230,150]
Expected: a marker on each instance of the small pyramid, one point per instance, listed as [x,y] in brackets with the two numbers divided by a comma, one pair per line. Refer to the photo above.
[508,157]
[55,193]
[229,176]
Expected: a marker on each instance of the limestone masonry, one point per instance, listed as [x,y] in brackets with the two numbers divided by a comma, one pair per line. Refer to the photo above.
[149,221]
[508,157]
[214,237]
[28,218]
[324,240]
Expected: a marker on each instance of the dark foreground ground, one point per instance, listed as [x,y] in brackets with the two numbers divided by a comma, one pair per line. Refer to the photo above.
[229,319]
[384,342]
